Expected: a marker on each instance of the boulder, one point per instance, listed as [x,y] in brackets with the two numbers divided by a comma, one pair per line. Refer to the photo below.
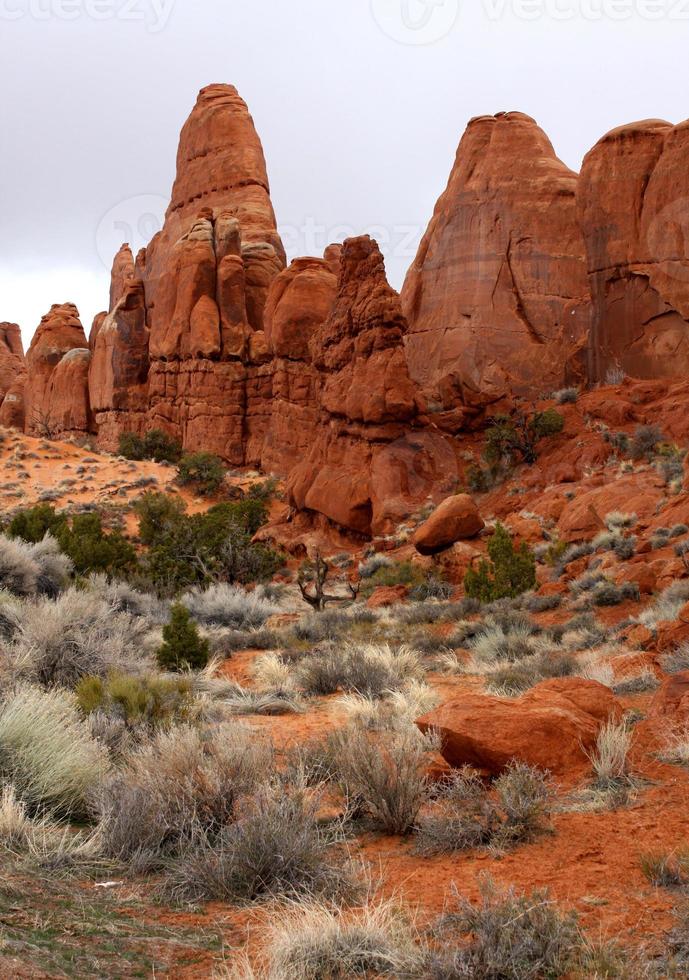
[553,726]
[456,519]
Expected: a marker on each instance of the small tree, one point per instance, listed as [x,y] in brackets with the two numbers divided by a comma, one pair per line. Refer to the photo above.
[520,433]
[509,573]
[182,647]
[203,470]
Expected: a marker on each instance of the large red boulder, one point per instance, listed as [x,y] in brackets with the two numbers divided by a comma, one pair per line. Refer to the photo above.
[456,519]
[551,727]
[497,298]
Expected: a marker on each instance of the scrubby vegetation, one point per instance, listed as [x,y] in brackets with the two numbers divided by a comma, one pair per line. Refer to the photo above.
[203,471]
[510,572]
[154,444]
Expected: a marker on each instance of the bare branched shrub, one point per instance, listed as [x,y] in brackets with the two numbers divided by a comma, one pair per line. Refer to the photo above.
[48,753]
[509,935]
[274,847]
[178,785]
[229,605]
[465,814]
[383,775]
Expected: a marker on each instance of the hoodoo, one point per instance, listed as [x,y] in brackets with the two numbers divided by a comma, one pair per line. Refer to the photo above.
[528,278]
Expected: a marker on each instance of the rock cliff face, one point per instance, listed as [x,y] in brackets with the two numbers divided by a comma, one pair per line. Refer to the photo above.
[12,376]
[57,399]
[528,278]
[633,202]
[370,459]
[497,298]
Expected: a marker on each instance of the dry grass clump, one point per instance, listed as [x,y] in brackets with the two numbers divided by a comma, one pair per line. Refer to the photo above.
[676,748]
[610,759]
[667,606]
[366,669]
[383,775]
[48,753]
[58,642]
[645,680]
[512,680]
[179,785]
[465,814]
[506,639]
[229,606]
[395,711]
[242,701]
[312,941]
[33,569]
[677,660]
[666,870]
[275,846]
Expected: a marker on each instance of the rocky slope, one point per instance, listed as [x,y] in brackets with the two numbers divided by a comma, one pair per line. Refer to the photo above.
[529,277]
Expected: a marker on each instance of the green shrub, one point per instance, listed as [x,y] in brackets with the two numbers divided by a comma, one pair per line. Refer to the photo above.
[509,573]
[155,445]
[204,471]
[520,434]
[422,585]
[182,646]
[34,523]
[150,701]
[93,549]
[196,550]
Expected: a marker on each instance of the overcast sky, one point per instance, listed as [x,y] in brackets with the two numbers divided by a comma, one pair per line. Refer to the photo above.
[360,105]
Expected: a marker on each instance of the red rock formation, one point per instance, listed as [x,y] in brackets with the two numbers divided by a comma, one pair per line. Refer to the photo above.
[551,727]
[299,302]
[118,373]
[497,298]
[369,463]
[632,195]
[206,280]
[12,376]
[49,407]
